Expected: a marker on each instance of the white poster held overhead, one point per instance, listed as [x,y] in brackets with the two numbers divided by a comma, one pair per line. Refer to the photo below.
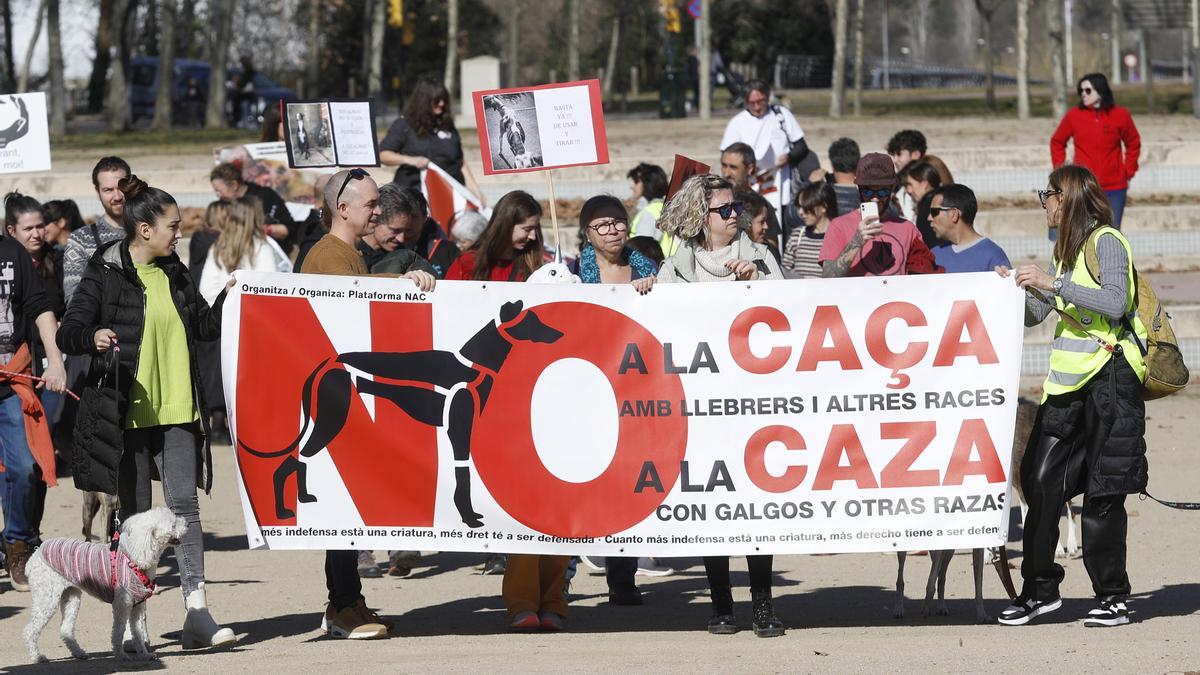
[24,133]
[537,128]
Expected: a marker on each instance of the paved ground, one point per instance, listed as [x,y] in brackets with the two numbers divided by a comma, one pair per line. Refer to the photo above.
[837,608]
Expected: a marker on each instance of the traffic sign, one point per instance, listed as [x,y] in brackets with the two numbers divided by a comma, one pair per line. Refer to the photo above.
[694,8]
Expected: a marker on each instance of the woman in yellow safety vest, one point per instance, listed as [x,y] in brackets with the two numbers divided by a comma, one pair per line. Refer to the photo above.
[1088,437]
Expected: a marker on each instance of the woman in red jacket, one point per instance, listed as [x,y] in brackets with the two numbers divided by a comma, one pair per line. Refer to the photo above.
[510,248]
[1100,127]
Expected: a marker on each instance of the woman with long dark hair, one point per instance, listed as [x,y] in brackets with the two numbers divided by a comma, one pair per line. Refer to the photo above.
[137,296]
[510,248]
[1106,140]
[425,133]
[1088,437]
[703,216]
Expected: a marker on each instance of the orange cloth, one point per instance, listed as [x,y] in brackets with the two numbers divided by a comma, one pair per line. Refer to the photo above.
[37,428]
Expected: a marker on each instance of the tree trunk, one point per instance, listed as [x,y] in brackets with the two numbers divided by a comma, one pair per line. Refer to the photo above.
[96,83]
[185,31]
[164,96]
[1114,32]
[610,67]
[117,101]
[313,74]
[1055,30]
[514,44]
[1023,59]
[573,40]
[150,28]
[221,25]
[705,58]
[58,90]
[837,88]
[987,12]
[10,67]
[451,76]
[23,83]
[859,20]
[375,20]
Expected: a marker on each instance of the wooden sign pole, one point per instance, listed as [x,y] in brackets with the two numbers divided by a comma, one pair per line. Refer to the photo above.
[554,217]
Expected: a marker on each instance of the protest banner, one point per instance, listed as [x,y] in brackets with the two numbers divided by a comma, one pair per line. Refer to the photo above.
[871,414]
[24,133]
[330,133]
[447,198]
[538,128]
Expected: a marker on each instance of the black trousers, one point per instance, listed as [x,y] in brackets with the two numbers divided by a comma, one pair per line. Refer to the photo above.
[1071,437]
[717,569]
[341,578]
[620,572]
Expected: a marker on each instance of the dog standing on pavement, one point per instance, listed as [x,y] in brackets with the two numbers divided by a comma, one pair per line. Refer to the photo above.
[122,575]
[939,561]
[103,505]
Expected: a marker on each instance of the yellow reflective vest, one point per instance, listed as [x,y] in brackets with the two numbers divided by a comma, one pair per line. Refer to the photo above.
[1076,356]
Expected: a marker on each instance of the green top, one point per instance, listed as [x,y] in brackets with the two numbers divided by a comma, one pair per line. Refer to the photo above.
[162,390]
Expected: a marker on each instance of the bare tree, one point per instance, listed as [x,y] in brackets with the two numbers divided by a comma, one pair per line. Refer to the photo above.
[573,40]
[451,76]
[705,65]
[1023,59]
[313,72]
[58,90]
[23,83]
[837,91]
[96,83]
[514,44]
[375,19]
[859,20]
[220,27]
[164,96]
[987,12]
[610,66]
[1055,31]
[117,101]
[6,49]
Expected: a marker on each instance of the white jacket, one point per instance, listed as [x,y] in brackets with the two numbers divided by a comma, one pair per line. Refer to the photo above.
[214,276]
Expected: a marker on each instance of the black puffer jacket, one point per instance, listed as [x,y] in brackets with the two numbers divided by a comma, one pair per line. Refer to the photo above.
[110,295]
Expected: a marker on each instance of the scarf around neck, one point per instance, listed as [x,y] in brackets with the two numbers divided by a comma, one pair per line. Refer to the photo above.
[589,268]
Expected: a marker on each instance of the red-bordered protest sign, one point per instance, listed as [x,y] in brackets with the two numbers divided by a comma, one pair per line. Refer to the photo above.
[538,128]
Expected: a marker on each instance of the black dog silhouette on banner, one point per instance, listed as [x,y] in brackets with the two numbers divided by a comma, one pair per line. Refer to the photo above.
[403,378]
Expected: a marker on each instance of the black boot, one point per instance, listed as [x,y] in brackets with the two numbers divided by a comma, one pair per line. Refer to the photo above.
[722,622]
[766,624]
[462,497]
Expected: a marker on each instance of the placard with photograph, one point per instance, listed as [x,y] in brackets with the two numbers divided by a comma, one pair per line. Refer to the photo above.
[537,128]
[330,133]
[24,133]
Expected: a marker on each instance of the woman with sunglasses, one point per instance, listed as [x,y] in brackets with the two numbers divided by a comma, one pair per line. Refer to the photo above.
[704,217]
[1106,140]
[1088,437]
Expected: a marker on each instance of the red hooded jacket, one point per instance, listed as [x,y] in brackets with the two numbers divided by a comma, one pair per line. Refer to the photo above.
[1098,137]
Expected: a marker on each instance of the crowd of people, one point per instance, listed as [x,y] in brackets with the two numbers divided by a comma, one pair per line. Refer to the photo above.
[114,297]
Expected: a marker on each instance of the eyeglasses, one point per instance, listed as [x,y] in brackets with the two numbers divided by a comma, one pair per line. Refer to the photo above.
[1085,90]
[936,211]
[1043,195]
[609,226]
[726,210]
[875,193]
[355,174]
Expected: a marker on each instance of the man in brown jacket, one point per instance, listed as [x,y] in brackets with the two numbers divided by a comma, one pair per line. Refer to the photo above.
[352,198]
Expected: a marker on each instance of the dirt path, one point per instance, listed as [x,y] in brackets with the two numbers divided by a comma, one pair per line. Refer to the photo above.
[837,608]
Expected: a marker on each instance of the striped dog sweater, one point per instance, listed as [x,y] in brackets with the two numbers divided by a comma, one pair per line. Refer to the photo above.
[96,568]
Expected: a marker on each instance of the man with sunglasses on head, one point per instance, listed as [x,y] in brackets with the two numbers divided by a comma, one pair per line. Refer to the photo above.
[352,198]
[882,245]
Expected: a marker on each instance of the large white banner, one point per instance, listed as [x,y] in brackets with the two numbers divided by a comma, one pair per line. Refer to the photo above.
[24,133]
[765,417]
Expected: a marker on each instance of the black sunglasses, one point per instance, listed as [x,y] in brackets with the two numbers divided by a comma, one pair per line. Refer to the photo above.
[1086,90]
[875,193]
[726,210]
[936,211]
[1043,195]
[355,174]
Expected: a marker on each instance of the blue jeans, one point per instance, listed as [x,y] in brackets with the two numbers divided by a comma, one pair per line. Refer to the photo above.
[22,489]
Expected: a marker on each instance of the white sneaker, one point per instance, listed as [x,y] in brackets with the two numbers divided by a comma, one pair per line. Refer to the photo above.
[649,567]
[1109,613]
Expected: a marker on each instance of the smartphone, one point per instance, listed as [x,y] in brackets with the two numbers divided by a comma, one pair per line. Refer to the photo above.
[869,210]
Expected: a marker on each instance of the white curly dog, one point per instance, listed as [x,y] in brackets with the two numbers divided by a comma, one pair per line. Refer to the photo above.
[62,569]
